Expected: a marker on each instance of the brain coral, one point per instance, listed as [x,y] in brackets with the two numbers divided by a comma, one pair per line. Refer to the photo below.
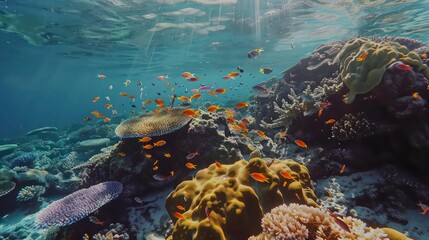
[227,203]
[363,63]
[153,124]
[300,222]
[78,205]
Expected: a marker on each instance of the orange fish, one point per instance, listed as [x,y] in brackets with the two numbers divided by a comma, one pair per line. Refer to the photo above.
[282,134]
[181,208]
[178,215]
[286,175]
[193,79]
[330,121]
[147,146]
[167,155]
[212,108]
[172,173]
[230,120]
[97,114]
[196,96]
[243,127]
[319,113]
[230,112]
[261,134]
[123,94]
[159,101]
[144,139]
[243,135]
[122,154]
[297,196]
[227,77]
[106,120]
[168,84]
[147,156]
[245,121]
[146,102]
[325,104]
[221,90]
[187,75]
[108,105]
[218,164]
[300,143]
[342,168]
[242,105]
[155,168]
[154,163]
[132,112]
[191,113]
[236,128]
[156,111]
[95,99]
[260,177]
[234,74]
[101,76]
[183,98]
[159,143]
[362,57]
[212,93]
[191,165]
[130,96]
[416,96]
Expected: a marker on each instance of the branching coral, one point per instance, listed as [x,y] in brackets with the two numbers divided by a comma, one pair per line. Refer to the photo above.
[300,222]
[30,192]
[352,127]
[303,104]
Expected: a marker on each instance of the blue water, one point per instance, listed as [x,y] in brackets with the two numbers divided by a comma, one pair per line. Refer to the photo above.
[52,51]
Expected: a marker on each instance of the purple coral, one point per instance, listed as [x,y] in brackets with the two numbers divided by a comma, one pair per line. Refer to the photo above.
[78,205]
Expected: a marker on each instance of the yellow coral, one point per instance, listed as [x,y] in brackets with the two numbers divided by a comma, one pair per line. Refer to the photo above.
[233,200]
[361,76]
[395,235]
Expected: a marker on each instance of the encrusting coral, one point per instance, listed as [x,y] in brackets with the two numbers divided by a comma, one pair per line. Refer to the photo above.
[153,124]
[363,63]
[300,222]
[226,202]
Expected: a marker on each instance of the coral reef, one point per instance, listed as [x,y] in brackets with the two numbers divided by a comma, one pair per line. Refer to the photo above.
[300,222]
[363,63]
[225,202]
[30,192]
[78,205]
[153,124]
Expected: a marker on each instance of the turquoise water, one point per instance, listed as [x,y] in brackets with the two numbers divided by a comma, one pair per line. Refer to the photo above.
[52,53]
